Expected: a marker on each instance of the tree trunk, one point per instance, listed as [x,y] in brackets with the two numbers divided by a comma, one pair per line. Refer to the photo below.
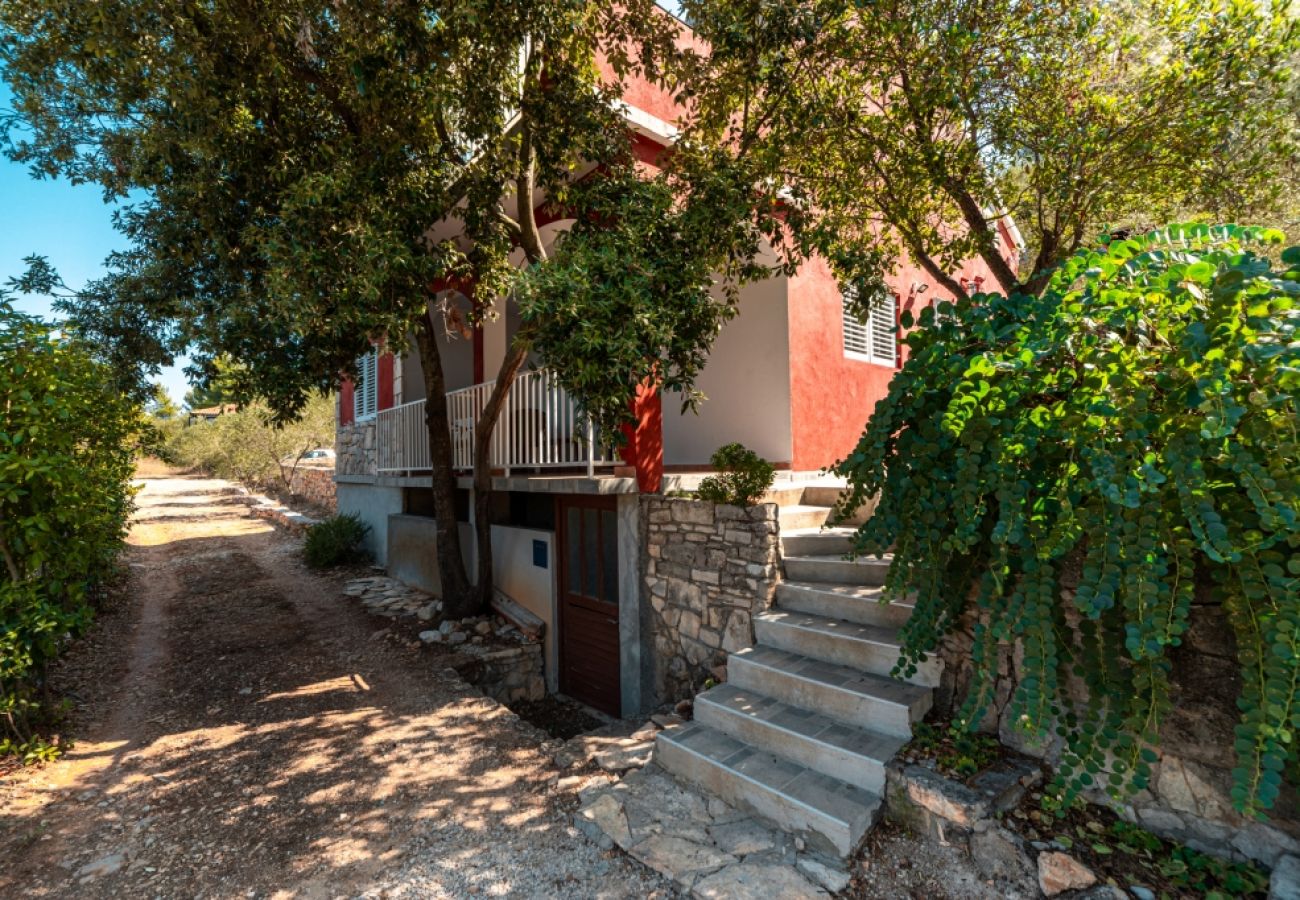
[483,430]
[459,599]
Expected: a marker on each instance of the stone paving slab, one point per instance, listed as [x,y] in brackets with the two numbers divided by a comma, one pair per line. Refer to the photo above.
[712,850]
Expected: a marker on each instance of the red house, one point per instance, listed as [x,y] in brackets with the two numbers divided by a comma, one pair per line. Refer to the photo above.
[793,377]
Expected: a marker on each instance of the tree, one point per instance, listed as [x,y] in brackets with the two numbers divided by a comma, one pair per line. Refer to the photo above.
[313,174]
[251,446]
[935,119]
[216,384]
[161,405]
[1071,471]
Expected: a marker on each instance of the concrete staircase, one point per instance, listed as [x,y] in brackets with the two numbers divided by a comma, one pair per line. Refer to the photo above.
[801,732]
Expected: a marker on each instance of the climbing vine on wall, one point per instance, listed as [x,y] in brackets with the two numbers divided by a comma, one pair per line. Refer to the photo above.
[1137,422]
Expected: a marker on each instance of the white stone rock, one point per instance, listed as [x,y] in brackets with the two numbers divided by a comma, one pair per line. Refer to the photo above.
[1285,883]
[606,813]
[742,838]
[832,878]
[629,755]
[749,881]
[679,859]
[1060,872]
[105,865]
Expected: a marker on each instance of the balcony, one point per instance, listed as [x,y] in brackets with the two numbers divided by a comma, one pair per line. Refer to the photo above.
[540,427]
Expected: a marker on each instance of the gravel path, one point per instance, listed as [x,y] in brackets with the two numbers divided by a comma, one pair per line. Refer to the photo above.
[243,735]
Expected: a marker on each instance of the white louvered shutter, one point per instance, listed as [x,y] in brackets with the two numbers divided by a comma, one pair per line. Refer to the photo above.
[877,338]
[855,332]
[884,332]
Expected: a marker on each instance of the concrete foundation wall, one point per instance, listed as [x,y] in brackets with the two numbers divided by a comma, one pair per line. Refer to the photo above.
[516,573]
[412,556]
[372,505]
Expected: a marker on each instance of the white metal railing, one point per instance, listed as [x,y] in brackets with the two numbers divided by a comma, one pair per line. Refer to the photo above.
[402,438]
[539,427]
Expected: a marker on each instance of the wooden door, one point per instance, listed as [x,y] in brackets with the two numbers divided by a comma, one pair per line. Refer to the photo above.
[588,552]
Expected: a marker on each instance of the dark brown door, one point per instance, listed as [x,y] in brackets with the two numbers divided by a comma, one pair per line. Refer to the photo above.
[588,554]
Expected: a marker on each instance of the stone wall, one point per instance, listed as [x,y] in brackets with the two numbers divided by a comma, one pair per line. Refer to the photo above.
[507,674]
[354,449]
[708,569]
[315,484]
[1189,795]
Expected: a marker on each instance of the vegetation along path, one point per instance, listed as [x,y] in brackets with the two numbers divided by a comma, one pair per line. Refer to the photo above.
[243,735]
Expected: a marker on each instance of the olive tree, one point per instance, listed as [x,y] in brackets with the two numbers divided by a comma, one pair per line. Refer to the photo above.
[915,126]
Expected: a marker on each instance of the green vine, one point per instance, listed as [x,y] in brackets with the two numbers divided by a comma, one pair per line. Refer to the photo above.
[1066,467]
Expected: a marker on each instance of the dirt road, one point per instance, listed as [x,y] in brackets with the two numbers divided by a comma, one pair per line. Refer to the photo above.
[244,736]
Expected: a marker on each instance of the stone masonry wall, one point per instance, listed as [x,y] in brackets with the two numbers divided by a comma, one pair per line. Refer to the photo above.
[1189,795]
[354,449]
[509,674]
[708,569]
[315,484]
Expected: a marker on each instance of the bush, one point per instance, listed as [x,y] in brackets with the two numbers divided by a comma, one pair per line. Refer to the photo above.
[248,445]
[743,477]
[67,451]
[1137,420]
[336,542]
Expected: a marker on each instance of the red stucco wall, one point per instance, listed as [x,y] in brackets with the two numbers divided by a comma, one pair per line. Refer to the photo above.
[831,395]
[346,412]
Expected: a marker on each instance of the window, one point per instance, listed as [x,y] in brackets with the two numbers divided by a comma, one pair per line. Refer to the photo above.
[876,339]
[365,393]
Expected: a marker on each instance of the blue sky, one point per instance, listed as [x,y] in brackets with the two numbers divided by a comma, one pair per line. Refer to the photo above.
[71,225]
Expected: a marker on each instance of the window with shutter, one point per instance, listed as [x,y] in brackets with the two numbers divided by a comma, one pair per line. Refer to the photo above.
[876,339]
[884,332]
[365,394]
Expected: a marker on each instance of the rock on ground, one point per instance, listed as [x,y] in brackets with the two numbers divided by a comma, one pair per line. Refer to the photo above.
[702,844]
[1060,872]
[1285,882]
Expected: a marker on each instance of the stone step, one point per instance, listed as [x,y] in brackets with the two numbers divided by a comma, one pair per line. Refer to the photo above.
[799,516]
[861,699]
[783,496]
[870,648]
[833,815]
[834,569]
[853,603]
[819,542]
[852,755]
[822,495]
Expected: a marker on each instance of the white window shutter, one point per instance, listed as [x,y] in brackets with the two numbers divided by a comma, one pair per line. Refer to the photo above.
[855,332]
[884,332]
[877,338]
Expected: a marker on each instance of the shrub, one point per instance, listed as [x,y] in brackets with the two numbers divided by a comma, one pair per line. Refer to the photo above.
[67,446]
[249,445]
[336,542]
[743,476]
[1138,419]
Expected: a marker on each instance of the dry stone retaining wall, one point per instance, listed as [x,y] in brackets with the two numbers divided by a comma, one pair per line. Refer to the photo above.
[708,570]
[315,484]
[1188,799]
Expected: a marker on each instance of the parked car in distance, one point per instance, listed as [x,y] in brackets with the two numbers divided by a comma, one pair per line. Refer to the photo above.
[320,455]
